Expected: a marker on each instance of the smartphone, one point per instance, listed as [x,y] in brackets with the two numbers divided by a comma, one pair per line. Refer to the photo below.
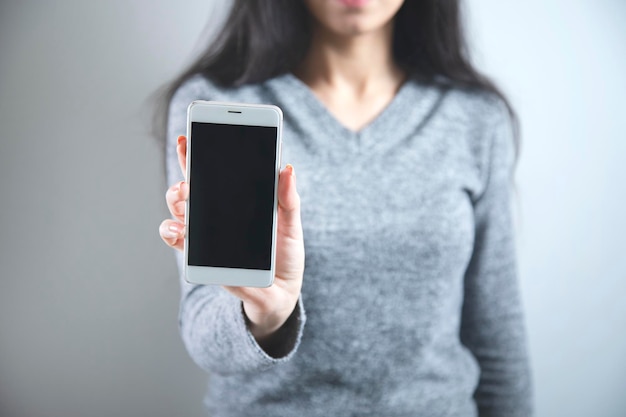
[233,162]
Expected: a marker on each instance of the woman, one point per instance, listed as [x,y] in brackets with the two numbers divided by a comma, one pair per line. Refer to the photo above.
[404,155]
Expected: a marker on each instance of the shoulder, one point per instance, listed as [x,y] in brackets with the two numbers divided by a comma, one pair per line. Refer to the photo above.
[195,88]
[199,87]
[475,108]
[484,121]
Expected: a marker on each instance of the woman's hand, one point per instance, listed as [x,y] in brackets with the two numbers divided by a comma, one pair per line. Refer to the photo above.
[267,309]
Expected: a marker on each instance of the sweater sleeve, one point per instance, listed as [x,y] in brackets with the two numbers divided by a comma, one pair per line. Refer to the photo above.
[212,323]
[492,322]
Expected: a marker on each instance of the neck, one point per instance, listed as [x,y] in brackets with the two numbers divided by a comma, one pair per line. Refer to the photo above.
[356,62]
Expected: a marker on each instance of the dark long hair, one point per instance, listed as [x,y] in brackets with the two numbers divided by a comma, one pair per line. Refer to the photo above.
[262,39]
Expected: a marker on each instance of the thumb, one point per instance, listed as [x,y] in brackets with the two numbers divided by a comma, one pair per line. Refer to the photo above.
[289,202]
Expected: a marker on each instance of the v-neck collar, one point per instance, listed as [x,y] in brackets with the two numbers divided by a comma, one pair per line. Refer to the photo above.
[329,118]
[406,112]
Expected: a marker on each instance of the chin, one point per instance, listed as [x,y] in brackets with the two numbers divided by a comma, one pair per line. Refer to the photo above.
[353,24]
[353,17]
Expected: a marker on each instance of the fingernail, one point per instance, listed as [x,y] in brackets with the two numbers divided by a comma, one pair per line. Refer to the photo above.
[180,139]
[292,172]
[173,231]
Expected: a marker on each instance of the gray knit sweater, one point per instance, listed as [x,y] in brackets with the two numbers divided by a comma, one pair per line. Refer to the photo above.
[410,302]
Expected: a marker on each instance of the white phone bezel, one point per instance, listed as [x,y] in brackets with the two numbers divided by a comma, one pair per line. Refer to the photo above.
[245,115]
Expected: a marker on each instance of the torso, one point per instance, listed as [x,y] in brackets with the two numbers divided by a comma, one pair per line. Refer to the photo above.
[388,227]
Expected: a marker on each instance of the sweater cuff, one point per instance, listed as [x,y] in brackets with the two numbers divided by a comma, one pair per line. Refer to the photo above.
[285,342]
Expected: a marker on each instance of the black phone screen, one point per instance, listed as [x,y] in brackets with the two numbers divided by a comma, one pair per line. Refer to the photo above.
[231,195]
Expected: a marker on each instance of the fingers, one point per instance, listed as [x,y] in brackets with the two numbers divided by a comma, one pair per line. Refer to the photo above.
[175,197]
[181,150]
[289,203]
[173,233]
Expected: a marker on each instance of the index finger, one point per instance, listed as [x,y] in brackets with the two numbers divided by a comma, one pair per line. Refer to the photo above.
[181,150]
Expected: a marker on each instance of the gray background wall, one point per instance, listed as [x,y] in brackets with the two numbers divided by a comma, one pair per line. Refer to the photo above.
[88,294]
